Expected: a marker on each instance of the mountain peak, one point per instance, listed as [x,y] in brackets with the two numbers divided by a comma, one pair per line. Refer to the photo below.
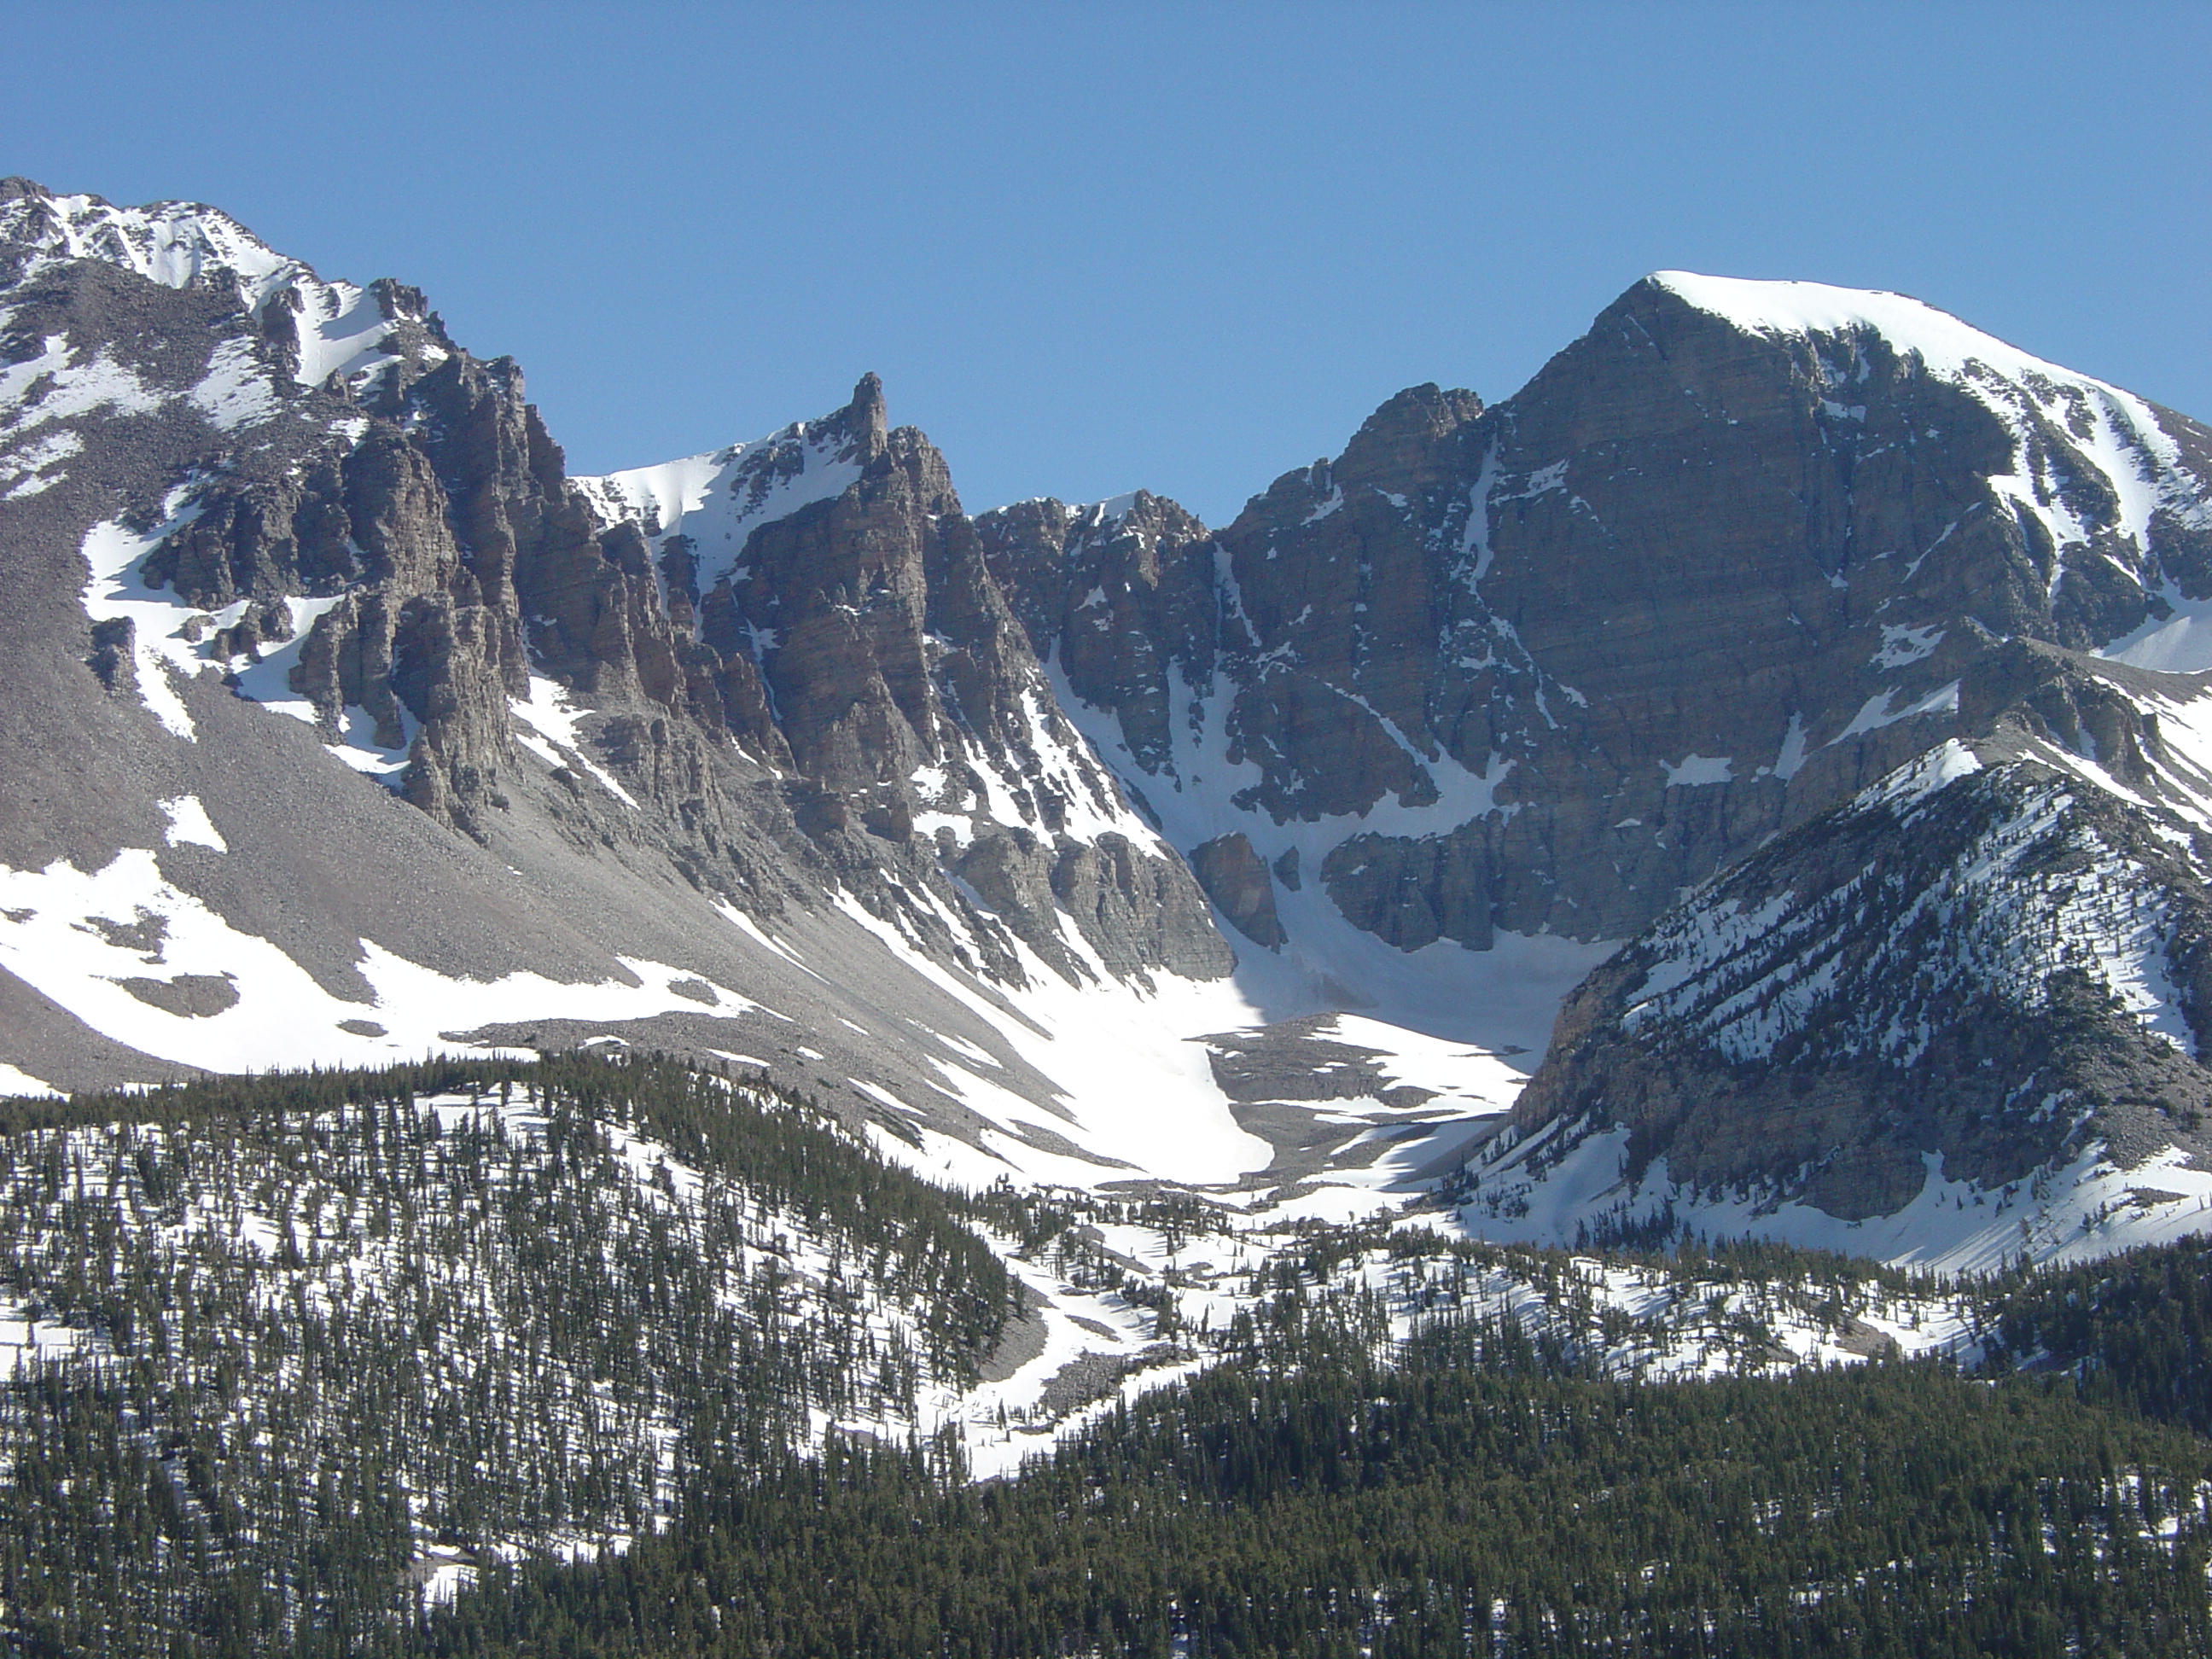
[863,419]
[1945,345]
[174,244]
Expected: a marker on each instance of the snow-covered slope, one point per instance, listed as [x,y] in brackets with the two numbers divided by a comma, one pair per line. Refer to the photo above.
[351,730]
[716,501]
[1958,1019]
[329,328]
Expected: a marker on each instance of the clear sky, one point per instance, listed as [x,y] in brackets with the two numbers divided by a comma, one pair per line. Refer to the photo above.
[1185,247]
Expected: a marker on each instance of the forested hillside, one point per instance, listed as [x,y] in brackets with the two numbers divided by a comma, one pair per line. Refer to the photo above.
[589,1356]
[289,1347]
[1474,1497]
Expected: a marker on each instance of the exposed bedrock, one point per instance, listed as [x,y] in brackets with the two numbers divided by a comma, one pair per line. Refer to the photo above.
[1573,653]
[1240,887]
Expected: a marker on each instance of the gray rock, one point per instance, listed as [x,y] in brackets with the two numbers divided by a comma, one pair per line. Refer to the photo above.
[1237,883]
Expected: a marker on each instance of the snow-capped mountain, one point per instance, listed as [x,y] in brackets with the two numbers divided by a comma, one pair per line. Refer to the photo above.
[1957,1018]
[1518,678]
[1086,843]
[233,591]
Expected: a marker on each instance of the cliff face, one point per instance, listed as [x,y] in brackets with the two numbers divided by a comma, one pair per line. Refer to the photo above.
[830,573]
[1541,667]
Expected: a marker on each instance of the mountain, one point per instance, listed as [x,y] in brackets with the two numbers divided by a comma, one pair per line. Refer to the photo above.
[1086,844]
[815,1046]
[1689,615]
[832,827]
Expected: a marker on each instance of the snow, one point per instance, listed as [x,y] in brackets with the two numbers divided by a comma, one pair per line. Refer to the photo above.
[1135,1089]
[29,469]
[1330,503]
[16,379]
[26,1341]
[1695,771]
[720,498]
[188,824]
[283,1016]
[341,327]
[341,331]
[445,1578]
[1882,709]
[1503,999]
[552,735]
[13,1081]
[1901,645]
[235,392]
[2114,432]
[1947,762]
[172,243]
[1948,347]
[1791,758]
[1470,1079]
[73,390]
[358,748]
[2088,1210]
[268,681]
[118,589]
[2179,643]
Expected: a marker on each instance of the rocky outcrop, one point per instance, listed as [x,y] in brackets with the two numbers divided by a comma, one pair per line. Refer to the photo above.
[862,637]
[843,684]
[1543,666]
[1240,887]
[1120,595]
[1997,955]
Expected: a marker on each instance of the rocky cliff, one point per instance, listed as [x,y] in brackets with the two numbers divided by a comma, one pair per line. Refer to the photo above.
[258,523]
[1539,667]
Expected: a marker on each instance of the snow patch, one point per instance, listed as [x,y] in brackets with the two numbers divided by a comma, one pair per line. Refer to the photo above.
[1696,771]
[188,824]
[1882,709]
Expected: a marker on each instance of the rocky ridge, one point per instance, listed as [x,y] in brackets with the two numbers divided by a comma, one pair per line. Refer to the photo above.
[1989,966]
[775,755]
[1543,666]
[301,498]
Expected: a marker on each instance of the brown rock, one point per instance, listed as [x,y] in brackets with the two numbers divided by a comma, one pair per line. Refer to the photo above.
[1237,883]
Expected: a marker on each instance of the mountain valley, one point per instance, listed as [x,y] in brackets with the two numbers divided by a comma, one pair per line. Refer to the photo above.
[540,1013]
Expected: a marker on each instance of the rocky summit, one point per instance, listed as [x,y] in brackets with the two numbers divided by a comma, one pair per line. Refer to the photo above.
[1755,777]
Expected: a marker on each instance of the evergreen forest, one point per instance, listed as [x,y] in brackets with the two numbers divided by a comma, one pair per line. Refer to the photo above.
[595,1356]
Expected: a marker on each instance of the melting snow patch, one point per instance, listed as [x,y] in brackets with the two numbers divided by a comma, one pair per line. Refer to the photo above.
[552,720]
[278,1014]
[1900,646]
[1792,756]
[1695,770]
[188,824]
[1881,709]
[1334,501]
[118,591]
[29,472]
[234,391]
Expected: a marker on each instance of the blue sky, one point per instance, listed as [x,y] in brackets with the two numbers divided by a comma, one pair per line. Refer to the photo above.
[1091,248]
